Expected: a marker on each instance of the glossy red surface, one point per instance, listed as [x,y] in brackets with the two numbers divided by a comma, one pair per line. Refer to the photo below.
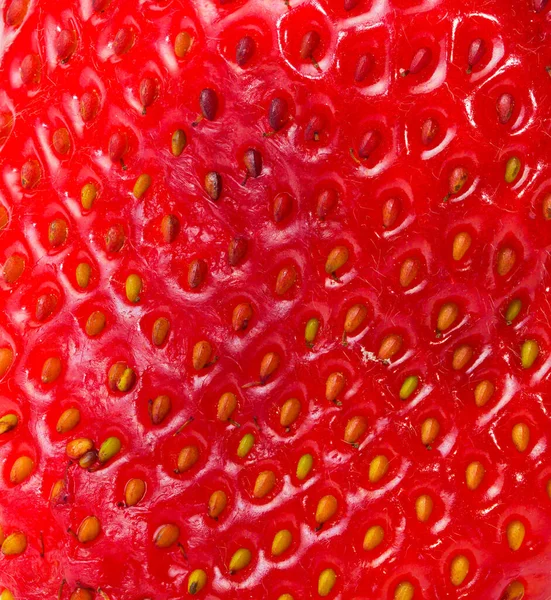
[356,131]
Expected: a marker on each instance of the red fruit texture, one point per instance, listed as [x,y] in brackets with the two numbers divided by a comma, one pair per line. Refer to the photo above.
[274,303]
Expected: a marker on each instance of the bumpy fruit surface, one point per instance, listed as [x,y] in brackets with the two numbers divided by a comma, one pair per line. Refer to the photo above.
[274,299]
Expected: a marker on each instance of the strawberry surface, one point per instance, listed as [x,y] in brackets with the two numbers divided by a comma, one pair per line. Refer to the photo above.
[274,305]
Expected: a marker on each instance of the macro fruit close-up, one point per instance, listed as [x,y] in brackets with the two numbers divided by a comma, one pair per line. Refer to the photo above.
[274,299]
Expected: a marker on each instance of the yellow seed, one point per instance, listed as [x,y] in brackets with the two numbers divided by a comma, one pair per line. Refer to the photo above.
[83,273]
[6,595]
[166,535]
[134,287]
[8,422]
[430,428]
[289,412]
[21,469]
[16,543]
[282,597]
[245,445]
[461,243]
[264,484]
[404,591]
[521,436]
[141,186]
[373,537]
[304,466]
[68,420]
[95,323]
[88,195]
[515,535]
[179,142]
[459,569]
[474,474]
[88,530]
[528,353]
[326,582]
[197,581]
[378,468]
[281,542]
[109,448]
[57,489]
[483,392]
[512,169]
[423,507]
[514,591]
[217,503]
[408,271]
[447,316]
[326,509]
[51,369]
[240,560]
[513,310]
[6,360]
[161,327]
[78,447]
[134,491]
[311,331]
[409,386]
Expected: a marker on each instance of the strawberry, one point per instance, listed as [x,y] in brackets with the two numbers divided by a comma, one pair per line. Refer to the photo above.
[274,319]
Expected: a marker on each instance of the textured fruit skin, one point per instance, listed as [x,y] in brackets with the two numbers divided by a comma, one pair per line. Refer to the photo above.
[328,104]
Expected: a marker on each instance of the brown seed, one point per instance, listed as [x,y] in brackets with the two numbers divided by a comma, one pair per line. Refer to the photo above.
[149,92]
[241,316]
[88,530]
[278,114]
[461,243]
[121,377]
[57,233]
[269,364]
[123,41]
[31,173]
[15,543]
[4,216]
[95,323]
[30,69]
[391,210]
[459,569]
[166,536]
[66,44]
[196,273]
[217,504]
[378,468]
[213,185]
[170,225]
[447,316]
[289,412]
[520,435]
[61,141]
[89,106]
[355,316]
[58,489]
[208,102]
[202,353]
[429,130]
[546,207]
[483,392]
[514,591]
[506,258]
[182,44]
[187,458]
[504,106]
[160,331]
[82,594]
[21,469]
[13,268]
[355,429]
[430,429]
[286,279]
[118,147]
[253,163]
[115,238]
[78,447]
[474,474]
[282,206]
[159,409]
[244,50]
[515,535]
[68,420]
[334,385]
[389,347]
[462,355]
[370,141]
[88,459]
[237,250]
[327,200]
[134,491]
[408,271]
[16,13]
[326,509]
[337,258]
[423,507]
[309,44]
[264,484]
[457,180]
[227,404]
[45,306]
[178,142]
[477,50]
[51,370]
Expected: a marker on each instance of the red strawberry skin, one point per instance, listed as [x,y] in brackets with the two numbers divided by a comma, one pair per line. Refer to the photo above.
[365,140]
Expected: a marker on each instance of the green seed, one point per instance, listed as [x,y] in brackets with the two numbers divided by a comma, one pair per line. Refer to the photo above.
[245,445]
[304,466]
[110,448]
[528,353]
[409,386]
[311,331]
[513,310]
[512,169]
